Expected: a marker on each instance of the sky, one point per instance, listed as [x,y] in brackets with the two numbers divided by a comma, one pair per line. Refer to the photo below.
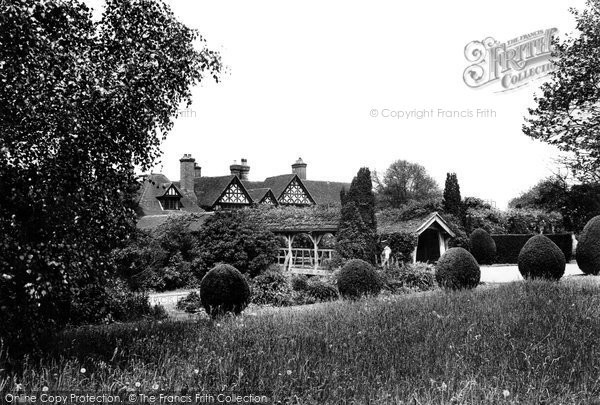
[304,77]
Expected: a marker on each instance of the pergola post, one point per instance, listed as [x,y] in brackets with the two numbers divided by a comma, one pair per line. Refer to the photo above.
[442,241]
[290,240]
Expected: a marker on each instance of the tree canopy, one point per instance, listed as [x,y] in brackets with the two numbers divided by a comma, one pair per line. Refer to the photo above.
[567,114]
[404,181]
[82,103]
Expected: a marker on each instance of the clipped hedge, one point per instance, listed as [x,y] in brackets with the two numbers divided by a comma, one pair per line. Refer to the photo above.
[483,247]
[508,246]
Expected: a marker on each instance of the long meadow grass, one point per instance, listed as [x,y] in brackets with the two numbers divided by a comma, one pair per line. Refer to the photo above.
[525,342]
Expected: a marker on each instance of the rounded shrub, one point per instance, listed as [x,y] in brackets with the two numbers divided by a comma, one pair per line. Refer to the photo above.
[321,290]
[541,258]
[299,282]
[224,289]
[358,278]
[457,269]
[483,246]
[588,247]
[272,287]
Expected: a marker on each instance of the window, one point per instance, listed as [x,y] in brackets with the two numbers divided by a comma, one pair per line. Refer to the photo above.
[170,204]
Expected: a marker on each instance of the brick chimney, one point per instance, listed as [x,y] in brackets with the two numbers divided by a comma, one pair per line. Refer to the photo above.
[197,171]
[240,170]
[187,172]
[299,169]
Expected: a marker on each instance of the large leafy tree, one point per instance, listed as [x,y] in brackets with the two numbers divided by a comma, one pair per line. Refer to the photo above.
[404,181]
[82,102]
[567,114]
[548,194]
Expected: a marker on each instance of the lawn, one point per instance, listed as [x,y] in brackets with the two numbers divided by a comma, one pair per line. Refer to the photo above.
[524,342]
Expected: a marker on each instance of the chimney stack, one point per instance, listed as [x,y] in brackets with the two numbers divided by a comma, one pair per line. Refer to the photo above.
[187,172]
[241,170]
[197,171]
[299,169]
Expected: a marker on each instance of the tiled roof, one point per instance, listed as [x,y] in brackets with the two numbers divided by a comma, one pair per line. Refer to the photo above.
[387,223]
[209,189]
[258,194]
[325,192]
[195,220]
[277,184]
[155,185]
[298,219]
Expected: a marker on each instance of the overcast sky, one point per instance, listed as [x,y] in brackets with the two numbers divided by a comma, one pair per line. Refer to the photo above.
[304,77]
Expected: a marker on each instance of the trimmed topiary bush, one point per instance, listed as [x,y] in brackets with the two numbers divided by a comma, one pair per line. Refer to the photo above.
[588,247]
[541,258]
[483,246]
[224,289]
[457,269]
[358,278]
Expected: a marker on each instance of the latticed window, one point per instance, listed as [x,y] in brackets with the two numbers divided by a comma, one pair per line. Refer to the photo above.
[295,194]
[268,200]
[234,195]
[170,203]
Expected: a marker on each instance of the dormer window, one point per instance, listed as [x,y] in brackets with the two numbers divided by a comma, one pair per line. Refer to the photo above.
[171,199]
[170,203]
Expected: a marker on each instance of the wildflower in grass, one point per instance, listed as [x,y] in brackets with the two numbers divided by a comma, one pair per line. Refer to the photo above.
[83,370]
[505,393]
[218,325]
[44,389]
[19,387]
[444,386]
[289,372]
[138,384]
[155,386]
[196,371]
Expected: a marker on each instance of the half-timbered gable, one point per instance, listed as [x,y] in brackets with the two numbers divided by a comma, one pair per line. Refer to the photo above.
[296,194]
[215,193]
[263,196]
[287,189]
[269,199]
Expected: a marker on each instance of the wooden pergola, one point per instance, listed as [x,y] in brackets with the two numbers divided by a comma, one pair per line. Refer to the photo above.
[303,260]
[291,222]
